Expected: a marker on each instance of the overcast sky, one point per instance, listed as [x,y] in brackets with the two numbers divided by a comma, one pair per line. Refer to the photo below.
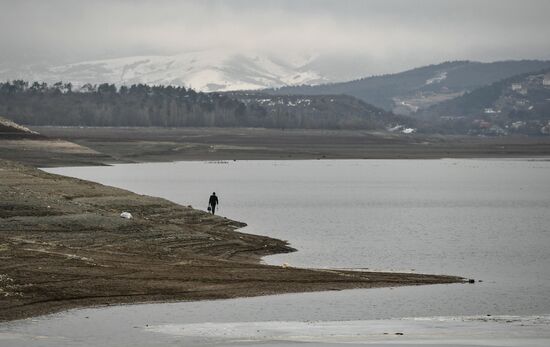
[377,35]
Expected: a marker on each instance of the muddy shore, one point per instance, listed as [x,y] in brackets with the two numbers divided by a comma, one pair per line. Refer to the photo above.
[172,144]
[63,245]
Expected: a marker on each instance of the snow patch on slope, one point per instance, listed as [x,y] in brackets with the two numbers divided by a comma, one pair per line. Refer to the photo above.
[440,76]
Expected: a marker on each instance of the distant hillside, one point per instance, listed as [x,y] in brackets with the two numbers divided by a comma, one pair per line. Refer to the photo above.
[329,111]
[413,90]
[519,104]
[143,105]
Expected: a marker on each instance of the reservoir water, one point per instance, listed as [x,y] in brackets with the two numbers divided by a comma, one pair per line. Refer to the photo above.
[482,219]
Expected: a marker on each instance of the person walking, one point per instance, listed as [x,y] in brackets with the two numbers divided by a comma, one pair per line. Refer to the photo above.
[212,202]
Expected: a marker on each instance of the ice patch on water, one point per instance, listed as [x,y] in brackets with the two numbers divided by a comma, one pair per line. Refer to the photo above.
[472,330]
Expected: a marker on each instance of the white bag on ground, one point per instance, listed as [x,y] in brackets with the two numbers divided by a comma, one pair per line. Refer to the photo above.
[126,215]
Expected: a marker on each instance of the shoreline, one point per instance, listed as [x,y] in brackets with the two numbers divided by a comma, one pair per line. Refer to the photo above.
[69,146]
[63,246]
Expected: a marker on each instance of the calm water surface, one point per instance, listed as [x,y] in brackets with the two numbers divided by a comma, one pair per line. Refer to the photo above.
[482,219]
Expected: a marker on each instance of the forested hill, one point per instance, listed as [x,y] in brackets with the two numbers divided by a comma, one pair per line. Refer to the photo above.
[168,106]
[519,104]
[328,111]
[409,91]
[107,105]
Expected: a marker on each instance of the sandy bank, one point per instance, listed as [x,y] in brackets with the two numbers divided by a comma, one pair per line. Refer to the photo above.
[63,245]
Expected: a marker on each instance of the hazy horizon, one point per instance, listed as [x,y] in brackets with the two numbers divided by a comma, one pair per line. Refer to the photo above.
[355,37]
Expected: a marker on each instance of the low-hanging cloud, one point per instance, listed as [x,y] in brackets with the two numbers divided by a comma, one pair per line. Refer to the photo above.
[381,34]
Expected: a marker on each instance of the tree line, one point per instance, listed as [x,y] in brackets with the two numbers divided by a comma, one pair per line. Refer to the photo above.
[164,106]
[107,105]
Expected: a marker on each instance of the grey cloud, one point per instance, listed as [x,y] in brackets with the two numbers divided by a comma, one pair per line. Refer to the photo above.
[381,35]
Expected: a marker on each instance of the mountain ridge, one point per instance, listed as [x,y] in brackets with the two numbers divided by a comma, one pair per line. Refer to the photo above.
[408,91]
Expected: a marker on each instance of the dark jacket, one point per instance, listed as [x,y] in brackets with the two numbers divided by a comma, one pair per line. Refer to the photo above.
[213,201]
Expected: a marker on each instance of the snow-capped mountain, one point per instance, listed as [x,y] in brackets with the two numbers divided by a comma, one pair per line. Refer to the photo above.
[211,70]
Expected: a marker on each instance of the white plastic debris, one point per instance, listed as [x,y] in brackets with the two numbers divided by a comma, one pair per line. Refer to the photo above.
[126,215]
